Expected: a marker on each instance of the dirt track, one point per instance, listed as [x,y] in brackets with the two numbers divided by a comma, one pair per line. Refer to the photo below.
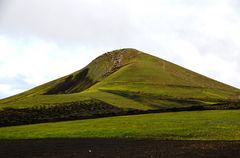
[118,148]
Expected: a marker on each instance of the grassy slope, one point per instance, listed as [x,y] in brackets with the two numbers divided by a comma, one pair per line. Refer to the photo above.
[149,74]
[137,72]
[198,125]
[45,100]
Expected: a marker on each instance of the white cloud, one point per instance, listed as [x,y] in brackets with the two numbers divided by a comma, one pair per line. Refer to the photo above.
[41,40]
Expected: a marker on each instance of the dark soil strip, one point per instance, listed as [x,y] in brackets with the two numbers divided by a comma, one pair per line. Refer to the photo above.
[81,110]
[61,112]
[118,148]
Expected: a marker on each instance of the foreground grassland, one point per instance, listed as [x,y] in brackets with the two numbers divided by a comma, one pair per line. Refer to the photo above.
[197,125]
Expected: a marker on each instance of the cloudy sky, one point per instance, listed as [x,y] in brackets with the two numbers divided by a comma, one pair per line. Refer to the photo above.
[41,40]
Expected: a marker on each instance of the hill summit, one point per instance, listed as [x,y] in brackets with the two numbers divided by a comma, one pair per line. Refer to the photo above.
[130,66]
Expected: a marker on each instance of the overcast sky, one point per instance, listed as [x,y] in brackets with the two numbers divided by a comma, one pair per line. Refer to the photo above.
[41,40]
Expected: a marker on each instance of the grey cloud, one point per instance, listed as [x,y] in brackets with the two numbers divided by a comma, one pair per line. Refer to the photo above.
[82,21]
[15,85]
[2,5]
[2,95]
[18,82]
[206,44]
[235,3]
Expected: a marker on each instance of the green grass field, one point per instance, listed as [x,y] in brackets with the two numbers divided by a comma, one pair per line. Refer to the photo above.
[197,125]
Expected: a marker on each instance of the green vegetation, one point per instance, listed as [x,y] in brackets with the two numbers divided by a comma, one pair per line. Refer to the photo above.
[197,125]
[42,100]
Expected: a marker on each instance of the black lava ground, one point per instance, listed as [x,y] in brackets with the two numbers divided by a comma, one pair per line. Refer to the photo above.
[117,148]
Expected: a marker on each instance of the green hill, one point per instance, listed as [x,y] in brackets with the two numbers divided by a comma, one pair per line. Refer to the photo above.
[127,79]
